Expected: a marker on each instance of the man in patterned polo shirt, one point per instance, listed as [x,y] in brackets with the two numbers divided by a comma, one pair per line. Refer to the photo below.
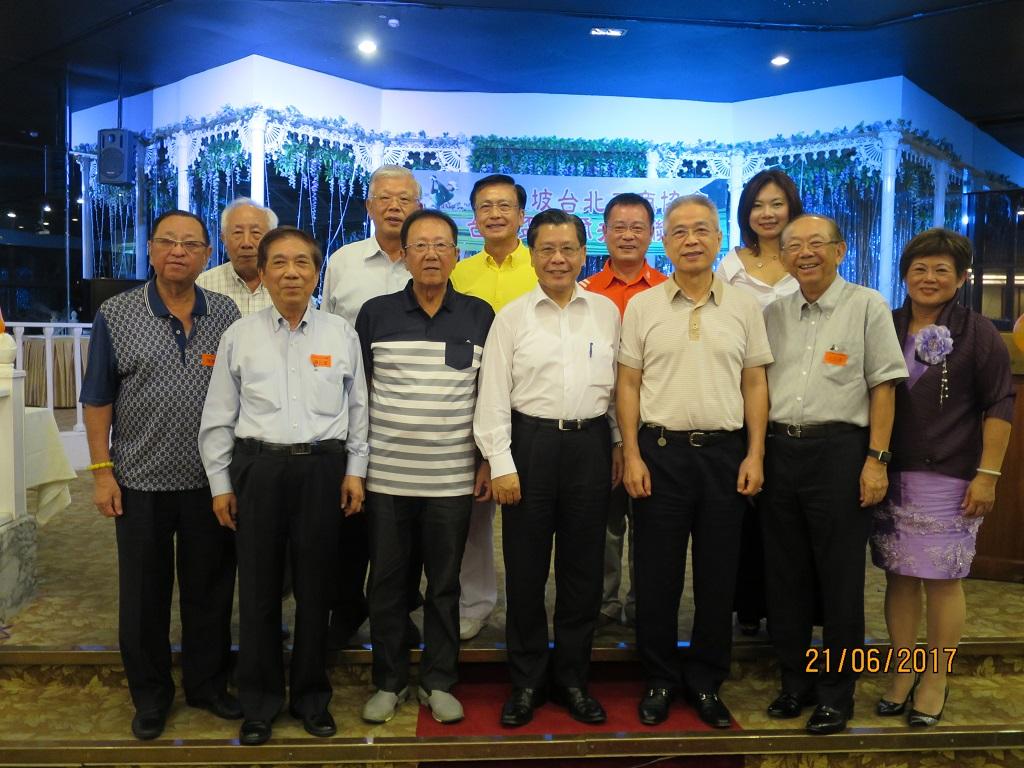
[151,354]
[422,350]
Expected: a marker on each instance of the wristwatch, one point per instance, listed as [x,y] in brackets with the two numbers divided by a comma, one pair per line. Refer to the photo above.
[882,456]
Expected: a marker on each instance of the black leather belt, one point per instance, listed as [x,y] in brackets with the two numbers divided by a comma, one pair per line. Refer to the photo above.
[251,445]
[562,425]
[696,438]
[811,430]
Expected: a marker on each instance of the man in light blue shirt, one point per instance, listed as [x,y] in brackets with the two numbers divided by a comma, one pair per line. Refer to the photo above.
[284,443]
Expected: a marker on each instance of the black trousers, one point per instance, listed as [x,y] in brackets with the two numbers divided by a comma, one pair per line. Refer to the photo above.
[288,503]
[146,534]
[815,531]
[750,602]
[440,524]
[565,478]
[693,493]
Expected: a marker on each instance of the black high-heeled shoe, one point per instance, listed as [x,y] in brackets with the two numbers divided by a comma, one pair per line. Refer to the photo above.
[887,708]
[918,719]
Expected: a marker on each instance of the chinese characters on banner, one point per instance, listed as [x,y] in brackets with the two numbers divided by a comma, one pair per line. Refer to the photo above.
[586,197]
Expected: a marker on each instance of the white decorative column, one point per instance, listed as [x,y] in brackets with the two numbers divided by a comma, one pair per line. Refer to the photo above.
[85,164]
[17,527]
[653,160]
[940,169]
[376,155]
[141,215]
[258,157]
[182,143]
[736,161]
[887,231]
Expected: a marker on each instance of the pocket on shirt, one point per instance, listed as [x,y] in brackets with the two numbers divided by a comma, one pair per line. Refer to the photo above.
[854,364]
[458,354]
[328,392]
[601,361]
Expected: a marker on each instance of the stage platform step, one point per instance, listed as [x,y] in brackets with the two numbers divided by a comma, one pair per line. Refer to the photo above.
[73,713]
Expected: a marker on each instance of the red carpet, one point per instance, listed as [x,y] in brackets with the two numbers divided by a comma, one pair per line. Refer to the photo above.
[484,688]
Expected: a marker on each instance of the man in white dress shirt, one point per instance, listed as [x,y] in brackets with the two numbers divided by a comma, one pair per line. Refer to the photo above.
[545,422]
[243,222]
[356,273]
[283,440]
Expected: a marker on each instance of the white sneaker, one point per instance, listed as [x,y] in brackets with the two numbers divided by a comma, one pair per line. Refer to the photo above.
[381,707]
[470,628]
[443,706]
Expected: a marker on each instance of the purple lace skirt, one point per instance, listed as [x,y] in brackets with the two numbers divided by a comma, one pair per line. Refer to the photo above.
[920,529]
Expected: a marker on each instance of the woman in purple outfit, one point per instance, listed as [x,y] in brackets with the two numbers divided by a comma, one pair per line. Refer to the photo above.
[950,434]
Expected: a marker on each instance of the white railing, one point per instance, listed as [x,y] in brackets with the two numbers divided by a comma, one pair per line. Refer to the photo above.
[49,332]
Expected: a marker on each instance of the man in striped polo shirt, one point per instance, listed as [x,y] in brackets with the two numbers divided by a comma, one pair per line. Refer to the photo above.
[422,349]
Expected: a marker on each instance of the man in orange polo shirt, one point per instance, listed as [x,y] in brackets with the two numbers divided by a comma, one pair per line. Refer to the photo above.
[628,229]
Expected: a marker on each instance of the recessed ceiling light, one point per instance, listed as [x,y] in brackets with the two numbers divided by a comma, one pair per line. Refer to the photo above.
[79,201]
[367,47]
[780,60]
[1020,211]
[12,215]
[74,219]
[46,207]
[607,32]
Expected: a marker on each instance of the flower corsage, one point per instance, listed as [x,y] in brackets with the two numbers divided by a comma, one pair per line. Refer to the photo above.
[932,346]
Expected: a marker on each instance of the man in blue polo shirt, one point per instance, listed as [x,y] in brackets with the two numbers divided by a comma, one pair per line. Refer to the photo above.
[151,353]
[422,349]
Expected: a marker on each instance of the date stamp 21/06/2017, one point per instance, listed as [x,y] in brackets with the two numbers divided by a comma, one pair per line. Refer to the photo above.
[871,660]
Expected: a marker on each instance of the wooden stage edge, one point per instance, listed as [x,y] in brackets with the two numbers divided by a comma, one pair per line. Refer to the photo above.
[17,655]
[409,749]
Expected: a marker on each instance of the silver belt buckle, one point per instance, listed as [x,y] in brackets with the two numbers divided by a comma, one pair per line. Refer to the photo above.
[794,430]
[301,449]
[574,425]
[697,439]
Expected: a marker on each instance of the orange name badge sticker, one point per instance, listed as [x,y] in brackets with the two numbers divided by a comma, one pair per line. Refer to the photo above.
[320,361]
[207,360]
[835,357]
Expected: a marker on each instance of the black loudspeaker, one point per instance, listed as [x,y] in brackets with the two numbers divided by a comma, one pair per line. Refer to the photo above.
[116,154]
[92,293]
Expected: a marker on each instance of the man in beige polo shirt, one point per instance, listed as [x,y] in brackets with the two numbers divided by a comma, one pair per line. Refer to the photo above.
[691,375]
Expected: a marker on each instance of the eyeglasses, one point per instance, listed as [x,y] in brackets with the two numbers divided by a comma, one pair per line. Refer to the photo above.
[637,229]
[192,247]
[503,207]
[420,249]
[793,247]
[567,251]
[402,201]
[701,233]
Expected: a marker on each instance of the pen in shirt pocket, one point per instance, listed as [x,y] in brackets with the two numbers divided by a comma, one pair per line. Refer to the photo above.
[590,352]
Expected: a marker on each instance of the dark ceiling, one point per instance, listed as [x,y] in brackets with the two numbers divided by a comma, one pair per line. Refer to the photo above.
[969,55]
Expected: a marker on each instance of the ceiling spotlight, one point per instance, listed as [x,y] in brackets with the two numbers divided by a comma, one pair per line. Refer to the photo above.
[607,32]
[12,215]
[79,201]
[394,23]
[74,219]
[46,208]
[1020,211]
[780,60]
[367,47]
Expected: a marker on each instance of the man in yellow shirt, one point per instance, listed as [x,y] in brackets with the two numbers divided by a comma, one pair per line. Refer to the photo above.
[501,272]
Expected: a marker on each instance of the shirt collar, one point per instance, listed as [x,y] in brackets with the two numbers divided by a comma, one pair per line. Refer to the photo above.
[539,297]
[731,265]
[156,305]
[829,300]
[717,290]
[518,258]
[412,303]
[277,321]
[238,279]
[603,279]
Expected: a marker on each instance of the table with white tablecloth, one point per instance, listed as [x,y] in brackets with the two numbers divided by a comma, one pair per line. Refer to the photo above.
[47,469]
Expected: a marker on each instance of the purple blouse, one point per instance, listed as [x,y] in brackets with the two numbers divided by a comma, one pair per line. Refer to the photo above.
[946,438]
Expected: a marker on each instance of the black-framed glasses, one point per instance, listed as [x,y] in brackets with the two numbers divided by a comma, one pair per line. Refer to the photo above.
[191,247]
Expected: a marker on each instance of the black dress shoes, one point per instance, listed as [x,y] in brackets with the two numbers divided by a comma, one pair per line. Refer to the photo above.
[653,708]
[581,705]
[826,720]
[711,709]
[223,705]
[518,710]
[788,705]
[148,726]
[918,719]
[318,724]
[254,732]
[887,708]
